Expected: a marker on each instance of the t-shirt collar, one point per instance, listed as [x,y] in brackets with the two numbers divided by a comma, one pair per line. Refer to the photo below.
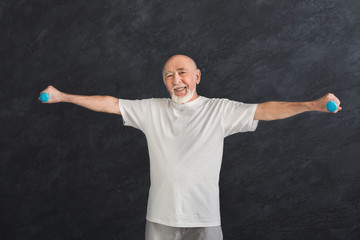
[193,103]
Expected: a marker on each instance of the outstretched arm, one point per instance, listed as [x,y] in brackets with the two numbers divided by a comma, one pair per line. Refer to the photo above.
[97,103]
[279,110]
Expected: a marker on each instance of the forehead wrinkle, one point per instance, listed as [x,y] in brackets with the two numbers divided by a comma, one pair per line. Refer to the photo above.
[179,69]
[188,60]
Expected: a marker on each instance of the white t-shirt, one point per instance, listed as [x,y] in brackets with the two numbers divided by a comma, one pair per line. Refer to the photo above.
[185,143]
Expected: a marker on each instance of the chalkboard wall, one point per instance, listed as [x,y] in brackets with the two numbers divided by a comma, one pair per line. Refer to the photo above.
[69,173]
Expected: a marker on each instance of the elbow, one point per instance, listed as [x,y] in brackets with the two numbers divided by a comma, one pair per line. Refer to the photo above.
[262,113]
[259,113]
[113,105]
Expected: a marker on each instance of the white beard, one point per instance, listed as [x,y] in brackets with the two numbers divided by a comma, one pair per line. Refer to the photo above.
[181,100]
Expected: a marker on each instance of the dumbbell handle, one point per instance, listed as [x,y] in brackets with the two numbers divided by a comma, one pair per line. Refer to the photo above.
[44,97]
[331,106]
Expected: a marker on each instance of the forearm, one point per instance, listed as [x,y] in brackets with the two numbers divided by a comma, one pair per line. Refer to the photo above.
[280,110]
[96,103]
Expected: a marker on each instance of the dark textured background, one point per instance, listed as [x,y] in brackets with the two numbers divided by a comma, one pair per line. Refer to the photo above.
[70,173]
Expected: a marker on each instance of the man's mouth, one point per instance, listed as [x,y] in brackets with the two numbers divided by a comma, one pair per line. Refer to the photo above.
[179,89]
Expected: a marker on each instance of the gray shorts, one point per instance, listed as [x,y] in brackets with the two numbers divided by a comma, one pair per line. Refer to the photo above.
[155,231]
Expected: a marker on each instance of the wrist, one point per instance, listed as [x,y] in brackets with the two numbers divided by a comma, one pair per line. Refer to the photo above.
[64,97]
[312,106]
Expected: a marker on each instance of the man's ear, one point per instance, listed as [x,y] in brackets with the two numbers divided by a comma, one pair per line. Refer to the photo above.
[198,76]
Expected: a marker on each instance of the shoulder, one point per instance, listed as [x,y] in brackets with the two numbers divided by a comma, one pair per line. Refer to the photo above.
[220,101]
[144,104]
[146,100]
[228,105]
[159,100]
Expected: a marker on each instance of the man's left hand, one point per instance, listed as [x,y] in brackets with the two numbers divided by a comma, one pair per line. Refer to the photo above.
[320,104]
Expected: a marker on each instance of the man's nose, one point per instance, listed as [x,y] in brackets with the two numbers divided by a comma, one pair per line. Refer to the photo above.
[177,78]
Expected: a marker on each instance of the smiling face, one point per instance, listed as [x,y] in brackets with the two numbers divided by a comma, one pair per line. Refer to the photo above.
[180,77]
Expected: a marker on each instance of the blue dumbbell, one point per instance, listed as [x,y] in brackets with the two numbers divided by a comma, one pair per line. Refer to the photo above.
[44,97]
[331,106]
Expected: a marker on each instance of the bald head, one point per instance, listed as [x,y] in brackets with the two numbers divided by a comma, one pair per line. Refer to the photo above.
[178,58]
[181,76]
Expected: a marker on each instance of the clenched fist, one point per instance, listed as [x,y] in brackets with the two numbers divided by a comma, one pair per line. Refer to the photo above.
[320,104]
[55,95]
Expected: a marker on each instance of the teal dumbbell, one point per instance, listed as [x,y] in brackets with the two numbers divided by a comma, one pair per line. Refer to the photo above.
[331,106]
[44,97]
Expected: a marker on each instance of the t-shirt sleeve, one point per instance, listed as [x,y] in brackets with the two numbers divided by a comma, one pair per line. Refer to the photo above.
[239,117]
[134,112]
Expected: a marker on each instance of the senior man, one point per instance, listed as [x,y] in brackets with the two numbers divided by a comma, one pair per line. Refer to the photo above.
[185,136]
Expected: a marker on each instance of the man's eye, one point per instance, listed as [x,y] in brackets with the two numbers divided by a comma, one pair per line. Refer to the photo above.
[169,76]
[182,72]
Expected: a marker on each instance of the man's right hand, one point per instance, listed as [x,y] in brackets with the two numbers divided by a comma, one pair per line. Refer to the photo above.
[55,95]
